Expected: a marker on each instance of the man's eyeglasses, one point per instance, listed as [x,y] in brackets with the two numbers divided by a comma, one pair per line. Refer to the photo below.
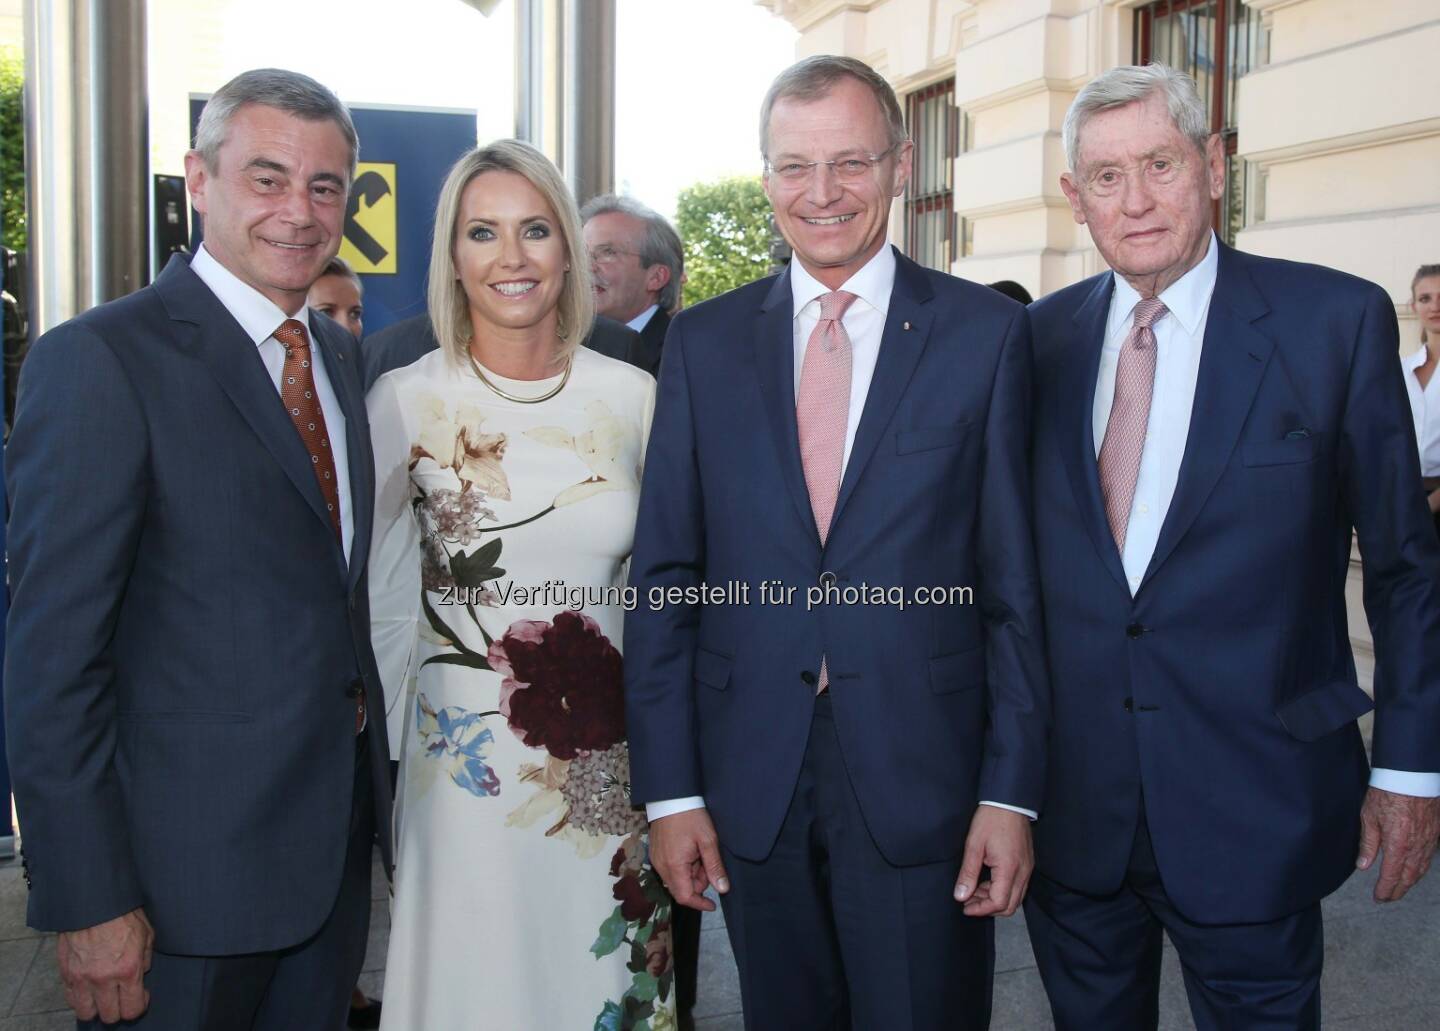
[607,255]
[847,169]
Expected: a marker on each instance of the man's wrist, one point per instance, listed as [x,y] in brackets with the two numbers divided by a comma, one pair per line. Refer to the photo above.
[1406,782]
[1030,813]
[672,807]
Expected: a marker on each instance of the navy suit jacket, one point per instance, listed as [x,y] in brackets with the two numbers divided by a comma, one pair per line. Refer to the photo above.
[1225,689]
[185,638]
[936,706]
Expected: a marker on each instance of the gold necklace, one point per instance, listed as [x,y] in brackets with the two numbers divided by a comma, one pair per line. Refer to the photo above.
[569,363]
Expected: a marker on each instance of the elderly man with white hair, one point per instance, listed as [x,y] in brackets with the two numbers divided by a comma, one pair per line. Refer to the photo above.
[1209,428]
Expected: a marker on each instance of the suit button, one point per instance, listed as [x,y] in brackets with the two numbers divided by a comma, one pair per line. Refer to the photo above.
[355,688]
[1129,705]
[827,579]
[1134,630]
[809,678]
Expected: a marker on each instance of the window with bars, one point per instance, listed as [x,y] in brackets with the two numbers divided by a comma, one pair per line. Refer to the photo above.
[1216,42]
[934,124]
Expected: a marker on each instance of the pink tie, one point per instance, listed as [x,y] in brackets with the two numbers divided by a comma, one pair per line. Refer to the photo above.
[822,414]
[1129,416]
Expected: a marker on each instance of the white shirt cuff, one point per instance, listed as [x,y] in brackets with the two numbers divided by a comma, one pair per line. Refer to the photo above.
[670,806]
[1014,809]
[1405,782]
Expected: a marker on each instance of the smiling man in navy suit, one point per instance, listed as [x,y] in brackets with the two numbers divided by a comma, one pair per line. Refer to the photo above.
[189,674]
[1209,427]
[841,771]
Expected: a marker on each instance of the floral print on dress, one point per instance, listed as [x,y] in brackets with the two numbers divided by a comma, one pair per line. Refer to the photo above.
[641,920]
[460,741]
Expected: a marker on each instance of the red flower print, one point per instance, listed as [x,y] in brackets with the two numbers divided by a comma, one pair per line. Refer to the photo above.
[562,689]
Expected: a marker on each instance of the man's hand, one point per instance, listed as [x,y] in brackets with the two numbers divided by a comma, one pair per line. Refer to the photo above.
[104,967]
[686,854]
[1403,829]
[1000,840]
[1434,499]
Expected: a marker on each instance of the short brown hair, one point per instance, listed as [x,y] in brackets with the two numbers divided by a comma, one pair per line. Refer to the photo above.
[815,77]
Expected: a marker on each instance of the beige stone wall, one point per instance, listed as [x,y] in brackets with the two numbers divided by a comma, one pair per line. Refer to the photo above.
[1341,130]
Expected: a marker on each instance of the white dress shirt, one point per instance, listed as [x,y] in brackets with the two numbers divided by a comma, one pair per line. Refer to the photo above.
[259,317]
[864,323]
[639,322]
[1179,337]
[1425,410]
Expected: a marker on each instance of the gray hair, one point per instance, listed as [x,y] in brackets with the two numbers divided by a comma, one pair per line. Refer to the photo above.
[815,77]
[449,307]
[661,245]
[1128,84]
[287,91]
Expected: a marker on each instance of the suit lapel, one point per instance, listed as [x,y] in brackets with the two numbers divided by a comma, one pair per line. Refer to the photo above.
[774,349]
[1080,369]
[1233,360]
[344,381]
[214,336]
[907,328]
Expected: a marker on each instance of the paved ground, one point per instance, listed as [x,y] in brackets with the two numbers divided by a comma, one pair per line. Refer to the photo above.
[1382,967]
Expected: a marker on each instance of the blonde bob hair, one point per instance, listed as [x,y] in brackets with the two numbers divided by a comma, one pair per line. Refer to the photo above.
[449,309]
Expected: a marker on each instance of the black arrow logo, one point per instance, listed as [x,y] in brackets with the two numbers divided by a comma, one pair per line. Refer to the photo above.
[370,186]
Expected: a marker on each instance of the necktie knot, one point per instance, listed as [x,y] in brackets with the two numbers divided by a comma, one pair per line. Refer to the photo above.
[1149,311]
[834,305]
[292,334]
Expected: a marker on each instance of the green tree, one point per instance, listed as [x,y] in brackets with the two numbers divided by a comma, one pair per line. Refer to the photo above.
[726,228]
[12,149]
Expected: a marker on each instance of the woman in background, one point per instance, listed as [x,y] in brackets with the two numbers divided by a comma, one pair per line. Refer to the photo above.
[1420,382]
[508,466]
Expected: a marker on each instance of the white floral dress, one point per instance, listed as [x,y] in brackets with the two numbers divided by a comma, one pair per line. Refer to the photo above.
[524,897]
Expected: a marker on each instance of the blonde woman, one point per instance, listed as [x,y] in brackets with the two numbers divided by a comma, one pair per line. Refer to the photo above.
[507,468]
[1420,385]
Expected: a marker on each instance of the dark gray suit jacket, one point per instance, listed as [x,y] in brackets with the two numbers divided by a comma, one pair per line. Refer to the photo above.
[186,638]
[406,342]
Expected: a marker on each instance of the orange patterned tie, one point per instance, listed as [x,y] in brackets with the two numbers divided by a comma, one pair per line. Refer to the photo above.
[297,390]
[302,401]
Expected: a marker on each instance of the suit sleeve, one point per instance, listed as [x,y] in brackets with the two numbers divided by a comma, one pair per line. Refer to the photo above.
[395,581]
[1401,556]
[1013,771]
[78,488]
[669,552]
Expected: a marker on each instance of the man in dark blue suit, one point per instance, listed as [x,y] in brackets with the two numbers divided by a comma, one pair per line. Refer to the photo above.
[834,747]
[1209,427]
[189,685]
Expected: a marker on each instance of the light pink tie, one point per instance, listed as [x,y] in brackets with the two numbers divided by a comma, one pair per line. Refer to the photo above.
[1124,442]
[822,413]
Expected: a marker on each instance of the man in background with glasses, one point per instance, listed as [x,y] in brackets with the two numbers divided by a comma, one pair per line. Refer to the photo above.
[638,265]
[837,758]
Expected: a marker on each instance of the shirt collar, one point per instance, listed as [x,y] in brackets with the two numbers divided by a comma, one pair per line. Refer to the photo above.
[642,320]
[258,316]
[1187,299]
[871,283]
[1415,359]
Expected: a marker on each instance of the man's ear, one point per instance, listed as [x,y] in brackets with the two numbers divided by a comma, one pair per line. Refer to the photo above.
[904,163]
[196,175]
[656,276]
[1072,194]
[1215,166]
